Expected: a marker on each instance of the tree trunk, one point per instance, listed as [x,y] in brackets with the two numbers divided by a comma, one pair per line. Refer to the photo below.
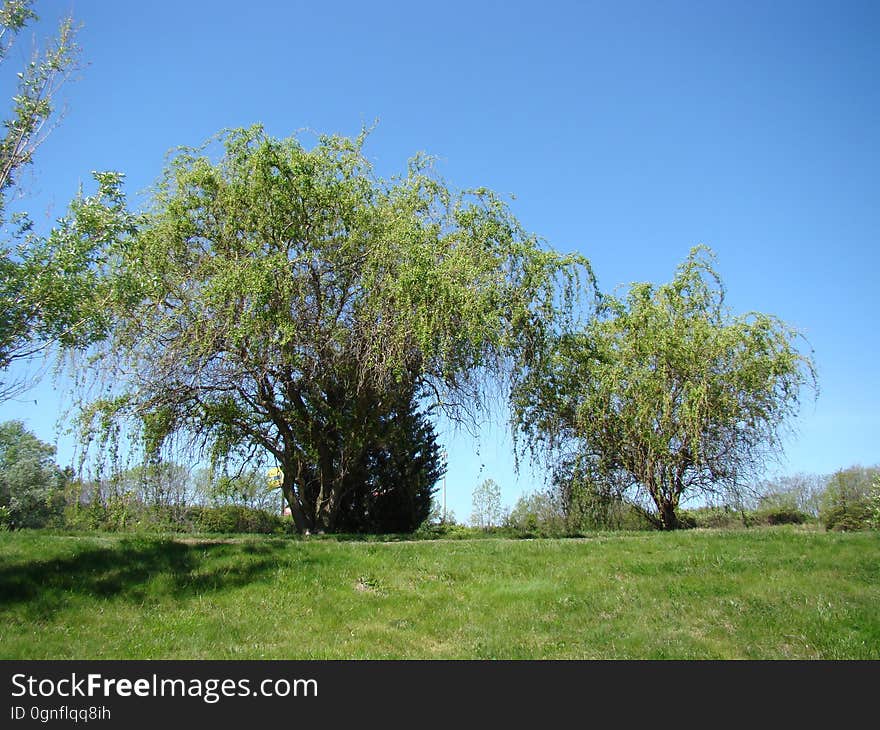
[296,510]
[668,518]
[326,503]
[666,501]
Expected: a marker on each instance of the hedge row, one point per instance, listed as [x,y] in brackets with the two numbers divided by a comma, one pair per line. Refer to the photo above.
[119,517]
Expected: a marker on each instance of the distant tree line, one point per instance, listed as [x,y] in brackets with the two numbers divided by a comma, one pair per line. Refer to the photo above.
[35,492]
[848,499]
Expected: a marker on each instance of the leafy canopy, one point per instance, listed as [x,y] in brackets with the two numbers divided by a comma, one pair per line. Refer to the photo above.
[666,393]
[30,481]
[486,504]
[281,300]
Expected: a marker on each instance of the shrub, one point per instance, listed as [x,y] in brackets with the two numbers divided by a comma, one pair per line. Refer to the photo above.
[780,516]
[30,480]
[121,514]
[844,518]
[874,504]
[536,514]
[457,531]
[234,518]
[686,520]
[717,517]
[848,501]
[725,517]
[84,517]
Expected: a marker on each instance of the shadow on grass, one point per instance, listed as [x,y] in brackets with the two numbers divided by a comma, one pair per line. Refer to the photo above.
[136,571]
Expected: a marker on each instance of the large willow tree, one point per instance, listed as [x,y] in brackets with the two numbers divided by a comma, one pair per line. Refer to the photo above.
[666,394]
[282,300]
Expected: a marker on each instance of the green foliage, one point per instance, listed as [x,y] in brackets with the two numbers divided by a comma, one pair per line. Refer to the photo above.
[281,301]
[121,513]
[779,516]
[572,507]
[768,514]
[727,518]
[486,505]
[686,521]
[537,514]
[31,484]
[666,394]
[712,518]
[53,290]
[874,504]
[129,506]
[457,531]
[850,499]
[594,511]
[37,86]
[111,516]
[391,490]
[235,519]
[150,497]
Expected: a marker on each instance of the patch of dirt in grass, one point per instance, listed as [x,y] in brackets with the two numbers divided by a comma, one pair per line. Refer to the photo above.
[365,584]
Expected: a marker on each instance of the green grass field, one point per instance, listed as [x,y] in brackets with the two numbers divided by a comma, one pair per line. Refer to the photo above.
[776,593]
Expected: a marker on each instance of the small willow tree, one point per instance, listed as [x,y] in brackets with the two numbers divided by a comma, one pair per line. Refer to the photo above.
[665,393]
[281,301]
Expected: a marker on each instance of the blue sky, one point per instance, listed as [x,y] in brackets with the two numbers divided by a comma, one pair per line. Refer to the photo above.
[628,131]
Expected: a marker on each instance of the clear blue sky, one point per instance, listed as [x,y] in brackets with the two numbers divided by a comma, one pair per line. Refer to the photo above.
[627,131]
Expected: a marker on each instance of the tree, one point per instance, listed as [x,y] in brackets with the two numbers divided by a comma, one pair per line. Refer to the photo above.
[666,394]
[486,502]
[799,493]
[537,511]
[31,483]
[849,499]
[50,286]
[392,488]
[37,88]
[285,301]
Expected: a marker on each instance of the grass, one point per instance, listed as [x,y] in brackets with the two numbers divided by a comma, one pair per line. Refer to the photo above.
[775,593]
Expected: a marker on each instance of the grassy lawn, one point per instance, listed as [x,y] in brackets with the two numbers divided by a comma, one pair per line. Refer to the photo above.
[776,593]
